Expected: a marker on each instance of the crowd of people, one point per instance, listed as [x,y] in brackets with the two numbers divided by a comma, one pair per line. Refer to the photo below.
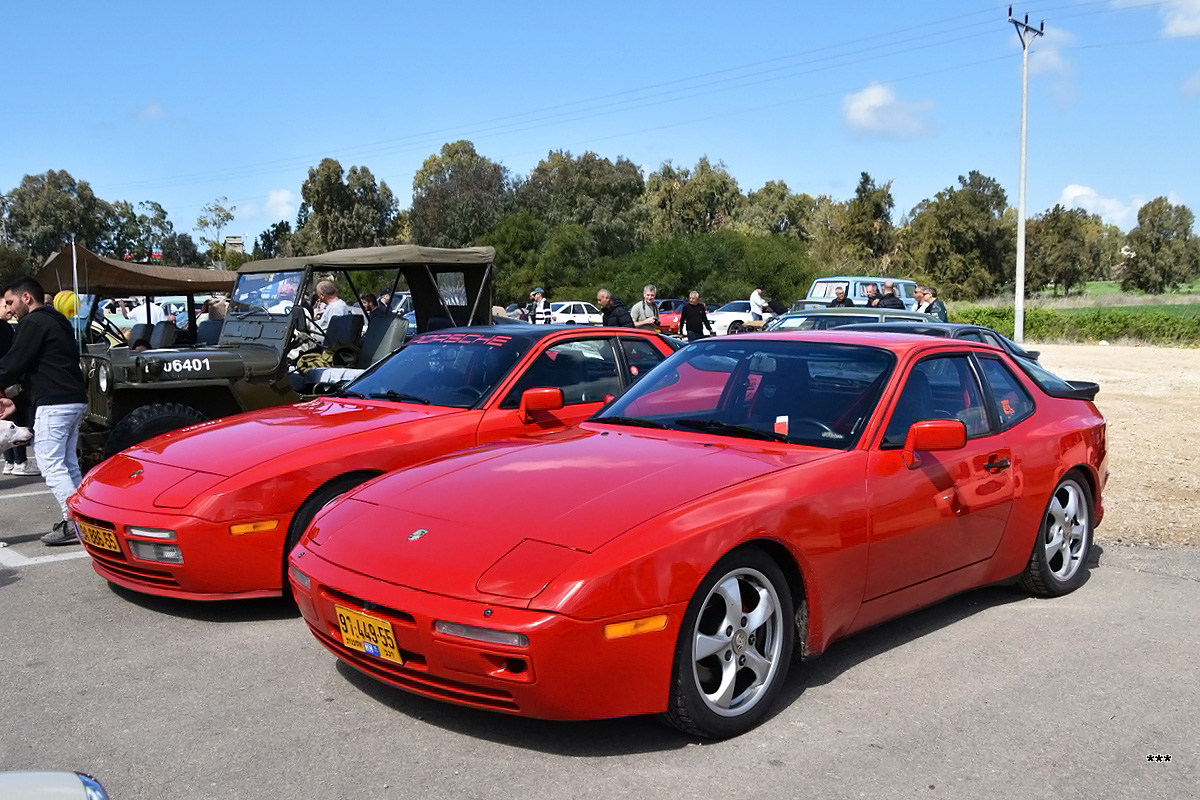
[926,298]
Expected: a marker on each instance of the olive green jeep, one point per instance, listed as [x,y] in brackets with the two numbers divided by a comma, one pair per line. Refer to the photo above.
[269,350]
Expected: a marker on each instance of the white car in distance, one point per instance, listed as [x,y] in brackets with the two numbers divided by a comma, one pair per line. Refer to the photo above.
[575,312]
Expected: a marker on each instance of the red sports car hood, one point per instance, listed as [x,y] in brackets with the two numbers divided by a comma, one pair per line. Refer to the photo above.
[441,525]
[232,445]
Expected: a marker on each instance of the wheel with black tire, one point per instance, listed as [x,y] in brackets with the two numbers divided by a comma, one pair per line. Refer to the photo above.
[308,510]
[734,647]
[1058,564]
[149,421]
[735,327]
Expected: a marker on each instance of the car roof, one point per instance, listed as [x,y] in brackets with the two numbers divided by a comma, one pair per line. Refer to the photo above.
[916,316]
[896,342]
[530,334]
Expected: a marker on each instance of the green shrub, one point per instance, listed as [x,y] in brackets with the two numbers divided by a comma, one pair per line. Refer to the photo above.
[1139,323]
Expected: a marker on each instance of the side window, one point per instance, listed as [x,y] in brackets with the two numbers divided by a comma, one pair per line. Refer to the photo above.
[585,370]
[640,356]
[939,388]
[1012,401]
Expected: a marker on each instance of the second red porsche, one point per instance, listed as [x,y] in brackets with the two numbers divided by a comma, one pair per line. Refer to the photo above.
[209,512]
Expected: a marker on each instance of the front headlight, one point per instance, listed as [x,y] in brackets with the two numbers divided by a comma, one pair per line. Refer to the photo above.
[103,378]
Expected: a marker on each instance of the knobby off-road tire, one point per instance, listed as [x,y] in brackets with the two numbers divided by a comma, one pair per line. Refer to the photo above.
[734,648]
[149,421]
[1059,562]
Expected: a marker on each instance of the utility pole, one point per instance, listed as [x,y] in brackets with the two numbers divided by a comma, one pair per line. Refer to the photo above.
[1026,33]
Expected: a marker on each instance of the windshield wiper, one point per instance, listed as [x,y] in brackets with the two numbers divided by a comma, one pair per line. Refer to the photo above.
[631,421]
[391,394]
[717,426]
[348,393]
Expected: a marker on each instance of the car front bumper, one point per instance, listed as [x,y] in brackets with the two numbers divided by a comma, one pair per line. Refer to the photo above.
[217,565]
[568,671]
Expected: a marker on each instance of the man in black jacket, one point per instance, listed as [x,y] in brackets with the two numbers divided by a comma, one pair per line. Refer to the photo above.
[615,313]
[44,359]
[889,299]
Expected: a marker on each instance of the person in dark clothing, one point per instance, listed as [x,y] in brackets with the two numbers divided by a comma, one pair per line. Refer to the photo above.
[872,293]
[616,315]
[693,318]
[15,458]
[840,300]
[936,307]
[44,359]
[889,299]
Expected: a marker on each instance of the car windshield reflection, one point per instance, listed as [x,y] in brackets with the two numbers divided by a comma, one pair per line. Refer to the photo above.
[456,370]
[796,392]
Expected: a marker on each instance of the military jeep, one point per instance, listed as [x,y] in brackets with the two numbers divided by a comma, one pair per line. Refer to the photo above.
[258,358]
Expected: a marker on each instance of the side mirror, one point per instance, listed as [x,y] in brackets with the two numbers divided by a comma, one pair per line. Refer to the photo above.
[932,435]
[539,400]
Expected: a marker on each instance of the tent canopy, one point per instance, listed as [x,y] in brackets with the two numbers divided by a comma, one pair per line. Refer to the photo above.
[108,276]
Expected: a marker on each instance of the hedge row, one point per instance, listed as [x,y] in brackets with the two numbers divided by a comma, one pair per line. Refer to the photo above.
[1142,324]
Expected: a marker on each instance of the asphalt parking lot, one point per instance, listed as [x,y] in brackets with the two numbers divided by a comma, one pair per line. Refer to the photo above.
[991,694]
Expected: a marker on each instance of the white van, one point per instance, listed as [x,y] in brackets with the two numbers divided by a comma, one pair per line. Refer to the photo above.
[820,294]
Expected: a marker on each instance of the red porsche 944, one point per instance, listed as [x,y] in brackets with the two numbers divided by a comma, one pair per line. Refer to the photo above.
[752,496]
[209,512]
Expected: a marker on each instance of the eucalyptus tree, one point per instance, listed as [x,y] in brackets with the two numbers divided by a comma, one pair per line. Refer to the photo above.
[962,240]
[345,209]
[458,195]
[601,195]
[49,210]
[1163,250]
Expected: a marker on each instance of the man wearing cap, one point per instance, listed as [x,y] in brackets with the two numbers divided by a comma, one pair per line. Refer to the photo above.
[539,309]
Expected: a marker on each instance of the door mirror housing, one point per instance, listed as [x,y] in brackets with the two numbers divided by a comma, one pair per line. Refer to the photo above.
[539,400]
[932,435]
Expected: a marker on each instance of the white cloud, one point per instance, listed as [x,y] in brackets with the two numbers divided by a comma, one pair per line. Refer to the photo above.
[1046,53]
[151,112]
[1112,211]
[1180,17]
[1191,87]
[876,110]
[281,204]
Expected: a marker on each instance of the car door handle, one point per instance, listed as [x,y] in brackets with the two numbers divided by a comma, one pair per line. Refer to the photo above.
[997,464]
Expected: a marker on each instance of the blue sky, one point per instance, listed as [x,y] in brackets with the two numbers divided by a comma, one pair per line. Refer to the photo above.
[183,104]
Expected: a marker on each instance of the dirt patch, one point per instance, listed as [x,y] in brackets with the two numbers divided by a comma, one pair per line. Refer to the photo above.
[1151,398]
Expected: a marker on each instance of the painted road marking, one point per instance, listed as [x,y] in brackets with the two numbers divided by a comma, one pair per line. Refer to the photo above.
[10,559]
[23,494]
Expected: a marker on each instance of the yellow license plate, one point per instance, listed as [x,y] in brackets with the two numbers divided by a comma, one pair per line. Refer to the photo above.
[368,634]
[98,537]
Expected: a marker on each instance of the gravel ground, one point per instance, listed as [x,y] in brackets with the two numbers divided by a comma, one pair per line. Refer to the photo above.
[1150,396]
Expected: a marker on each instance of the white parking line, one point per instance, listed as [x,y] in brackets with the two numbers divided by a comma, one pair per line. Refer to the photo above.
[10,559]
[24,494]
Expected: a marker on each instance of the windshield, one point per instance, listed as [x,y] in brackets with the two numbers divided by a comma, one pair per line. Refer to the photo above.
[808,393]
[272,292]
[457,370]
[736,305]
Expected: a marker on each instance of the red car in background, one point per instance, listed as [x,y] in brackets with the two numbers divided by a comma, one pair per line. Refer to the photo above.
[752,497]
[668,314]
[210,512]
